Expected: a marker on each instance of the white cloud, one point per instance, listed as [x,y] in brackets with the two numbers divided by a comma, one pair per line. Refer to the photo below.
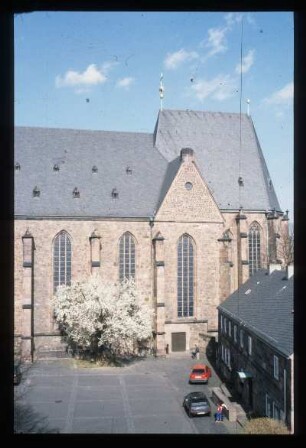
[231,18]
[220,88]
[173,60]
[125,82]
[90,76]
[216,40]
[109,65]
[282,96]
[216,37]
[247,62]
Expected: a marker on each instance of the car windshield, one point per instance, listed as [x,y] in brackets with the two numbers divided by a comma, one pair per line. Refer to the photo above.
[199,403]
[198,371]
[198,400]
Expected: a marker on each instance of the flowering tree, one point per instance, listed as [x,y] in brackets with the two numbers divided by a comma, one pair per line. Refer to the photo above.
[93,313]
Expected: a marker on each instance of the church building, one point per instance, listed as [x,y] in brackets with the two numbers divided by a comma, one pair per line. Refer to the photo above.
[189,211]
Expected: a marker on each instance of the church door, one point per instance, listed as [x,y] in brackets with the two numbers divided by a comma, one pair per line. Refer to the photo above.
[178,342]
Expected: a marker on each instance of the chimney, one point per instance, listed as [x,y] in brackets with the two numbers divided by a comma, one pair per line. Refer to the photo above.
[289,271]
[187,155]
[274,267]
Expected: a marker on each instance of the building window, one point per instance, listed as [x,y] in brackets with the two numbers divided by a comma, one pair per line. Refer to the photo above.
[230,328]
[126,257]
[268,406]
[185,276]
[276,367]
[61,260]
[276,411]
[249,345]
[235,333]
[221,323]
[254,248]
[241,338]
[228,358]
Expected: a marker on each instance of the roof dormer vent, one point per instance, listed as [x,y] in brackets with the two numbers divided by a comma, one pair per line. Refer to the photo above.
[240,181]
[36,192]
[56,167]
[76,193]
[94,169]
[115,193]
[17,166]
[128,170]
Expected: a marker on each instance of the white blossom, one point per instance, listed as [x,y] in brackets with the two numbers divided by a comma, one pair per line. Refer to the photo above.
[93,313]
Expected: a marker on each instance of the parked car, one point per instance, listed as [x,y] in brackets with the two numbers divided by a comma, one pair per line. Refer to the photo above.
[196,403]
[200,373]
[17,373]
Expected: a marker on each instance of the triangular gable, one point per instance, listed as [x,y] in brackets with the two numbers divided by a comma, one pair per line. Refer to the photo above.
[188,198]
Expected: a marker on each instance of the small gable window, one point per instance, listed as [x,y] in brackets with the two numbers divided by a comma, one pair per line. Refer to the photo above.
[188,186]
[17,166]
[56,167]
[94,169]
[128,170]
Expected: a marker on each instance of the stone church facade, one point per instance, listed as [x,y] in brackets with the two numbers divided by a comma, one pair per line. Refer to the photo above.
[189,211]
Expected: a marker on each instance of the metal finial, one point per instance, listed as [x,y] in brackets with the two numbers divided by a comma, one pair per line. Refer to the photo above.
[248,103]
[161,91]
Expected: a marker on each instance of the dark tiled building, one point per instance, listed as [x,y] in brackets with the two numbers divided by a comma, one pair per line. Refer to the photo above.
[255,343]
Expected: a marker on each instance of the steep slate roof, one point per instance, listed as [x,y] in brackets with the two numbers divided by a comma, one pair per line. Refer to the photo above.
[153,159]
[215,138]
[266,309]
[76,152]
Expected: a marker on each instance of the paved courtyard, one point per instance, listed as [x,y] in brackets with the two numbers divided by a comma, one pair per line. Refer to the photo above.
[143,398]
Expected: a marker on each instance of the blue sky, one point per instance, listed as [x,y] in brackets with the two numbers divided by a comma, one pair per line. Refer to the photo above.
[101,70]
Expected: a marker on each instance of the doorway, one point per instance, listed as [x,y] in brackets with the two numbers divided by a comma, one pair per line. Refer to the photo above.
[178,342]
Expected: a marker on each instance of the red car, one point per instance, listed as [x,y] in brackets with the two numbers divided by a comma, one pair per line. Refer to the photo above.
[200,374]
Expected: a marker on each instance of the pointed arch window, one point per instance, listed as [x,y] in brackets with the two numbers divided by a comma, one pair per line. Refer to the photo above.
[61,260]
[126,257]
[254,248]
[185,276]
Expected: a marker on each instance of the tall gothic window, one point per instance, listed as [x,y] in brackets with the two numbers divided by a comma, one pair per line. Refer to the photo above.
[254,248]
[185,276]
[126,257]
[61,260]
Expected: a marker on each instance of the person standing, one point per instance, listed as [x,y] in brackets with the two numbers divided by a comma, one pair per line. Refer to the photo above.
[219,413]
[219,416]
[196,352]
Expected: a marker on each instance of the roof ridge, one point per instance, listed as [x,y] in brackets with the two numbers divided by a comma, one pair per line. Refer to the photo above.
[203,111]
[43,128]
